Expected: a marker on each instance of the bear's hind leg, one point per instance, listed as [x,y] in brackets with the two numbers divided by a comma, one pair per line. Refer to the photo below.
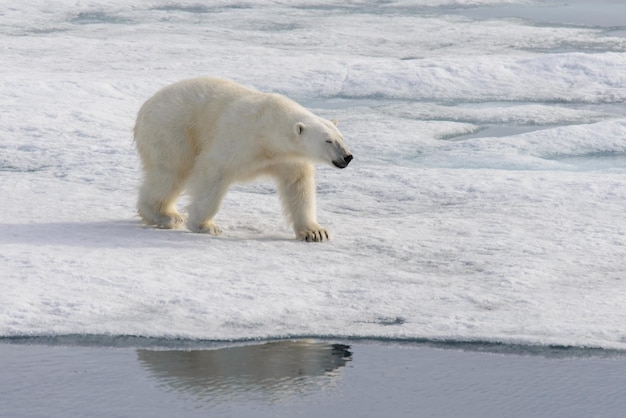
[157,200]
[207,189]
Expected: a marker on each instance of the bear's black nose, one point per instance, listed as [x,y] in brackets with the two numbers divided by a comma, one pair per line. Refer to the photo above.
[348,159]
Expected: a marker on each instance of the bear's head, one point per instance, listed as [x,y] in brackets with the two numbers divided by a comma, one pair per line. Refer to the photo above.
[321,140]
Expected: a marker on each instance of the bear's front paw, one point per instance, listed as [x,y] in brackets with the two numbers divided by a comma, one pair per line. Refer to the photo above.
[206,228]
[315,234]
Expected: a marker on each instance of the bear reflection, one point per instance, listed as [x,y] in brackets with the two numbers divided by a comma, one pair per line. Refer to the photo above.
[275,369]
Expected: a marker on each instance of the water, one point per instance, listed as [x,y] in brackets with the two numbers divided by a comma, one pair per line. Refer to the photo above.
[309,379]
[604,13]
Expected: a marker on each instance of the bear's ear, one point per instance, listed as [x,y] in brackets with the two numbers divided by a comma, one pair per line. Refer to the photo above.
[335,122]
[299,128]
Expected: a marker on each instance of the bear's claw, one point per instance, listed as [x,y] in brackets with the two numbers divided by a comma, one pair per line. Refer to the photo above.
[314,235]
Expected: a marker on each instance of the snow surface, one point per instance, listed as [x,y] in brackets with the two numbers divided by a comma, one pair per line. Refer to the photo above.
[486,201]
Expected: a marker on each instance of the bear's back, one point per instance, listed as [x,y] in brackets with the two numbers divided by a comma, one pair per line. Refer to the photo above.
[196,93]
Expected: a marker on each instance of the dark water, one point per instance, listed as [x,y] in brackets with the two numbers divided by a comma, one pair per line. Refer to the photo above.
[309,379]
[607,14]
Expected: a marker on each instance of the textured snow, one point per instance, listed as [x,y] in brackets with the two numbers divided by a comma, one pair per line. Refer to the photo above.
[486,201]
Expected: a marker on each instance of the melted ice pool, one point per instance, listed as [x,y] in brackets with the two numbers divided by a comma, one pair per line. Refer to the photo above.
[310,379]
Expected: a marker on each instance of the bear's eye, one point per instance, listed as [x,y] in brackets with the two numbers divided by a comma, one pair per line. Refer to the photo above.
[328,141]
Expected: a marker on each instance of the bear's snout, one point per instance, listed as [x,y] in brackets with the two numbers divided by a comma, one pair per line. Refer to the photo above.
[343,163]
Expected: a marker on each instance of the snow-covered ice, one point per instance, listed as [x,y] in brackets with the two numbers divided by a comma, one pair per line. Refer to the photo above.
[486,201]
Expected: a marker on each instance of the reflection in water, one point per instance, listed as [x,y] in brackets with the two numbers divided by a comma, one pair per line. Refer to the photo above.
[276,370]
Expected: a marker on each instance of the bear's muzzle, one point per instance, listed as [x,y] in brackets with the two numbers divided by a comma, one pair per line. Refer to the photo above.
[343,163]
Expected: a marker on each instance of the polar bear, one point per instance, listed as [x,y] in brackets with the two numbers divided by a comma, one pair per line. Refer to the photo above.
[203,134]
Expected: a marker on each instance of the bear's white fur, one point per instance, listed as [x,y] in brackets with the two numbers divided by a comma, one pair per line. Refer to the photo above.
[204,134]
